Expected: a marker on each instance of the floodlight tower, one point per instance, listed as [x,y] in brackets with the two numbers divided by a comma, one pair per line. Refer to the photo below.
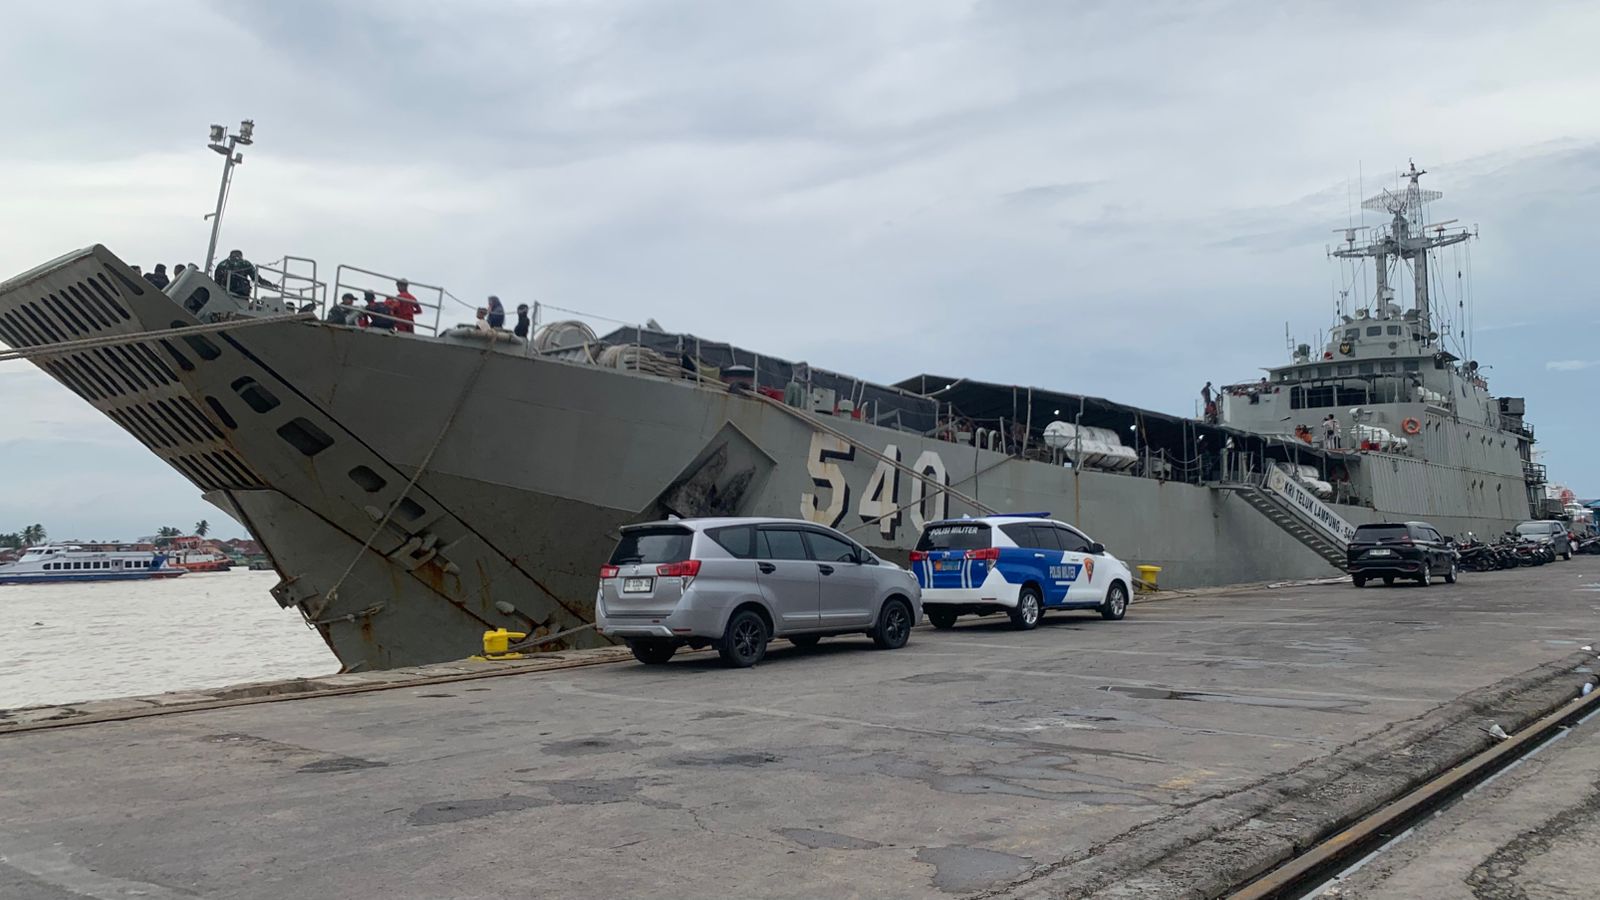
[231,158]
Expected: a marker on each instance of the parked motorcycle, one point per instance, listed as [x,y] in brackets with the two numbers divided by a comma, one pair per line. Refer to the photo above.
[1505,552]
[1534,552]
[1477,556]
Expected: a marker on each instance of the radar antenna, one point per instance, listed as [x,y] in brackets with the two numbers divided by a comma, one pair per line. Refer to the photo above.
[1406,203]
[1405,238]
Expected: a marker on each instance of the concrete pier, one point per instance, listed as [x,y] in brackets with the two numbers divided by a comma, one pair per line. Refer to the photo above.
[1179,750]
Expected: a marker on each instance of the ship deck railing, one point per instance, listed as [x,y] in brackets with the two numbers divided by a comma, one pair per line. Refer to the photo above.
[296,283]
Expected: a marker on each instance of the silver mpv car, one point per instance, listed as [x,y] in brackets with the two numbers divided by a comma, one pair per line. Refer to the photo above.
[735,584]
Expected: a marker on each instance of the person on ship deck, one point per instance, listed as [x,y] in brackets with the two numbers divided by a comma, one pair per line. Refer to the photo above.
[345,313]
[404,307]
[375,313]
[236,274]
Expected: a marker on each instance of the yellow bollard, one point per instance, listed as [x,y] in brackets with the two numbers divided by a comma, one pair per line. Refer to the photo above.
[497,643]
[1148,576]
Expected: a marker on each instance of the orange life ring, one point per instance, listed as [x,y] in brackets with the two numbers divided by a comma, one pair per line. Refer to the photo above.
[1411,426]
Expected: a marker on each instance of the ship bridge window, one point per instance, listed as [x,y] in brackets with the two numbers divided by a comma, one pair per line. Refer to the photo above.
[1394,329]
[1387,366]
[1366,368]
[1347,369]
[1327,395]
[1351,334]
[1374,330]
[1324,371]
[1411,365]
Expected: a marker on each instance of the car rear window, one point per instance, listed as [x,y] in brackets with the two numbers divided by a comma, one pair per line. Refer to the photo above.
[1536,528]
[955,536]
[664,544]
[739,540]
[1381,533]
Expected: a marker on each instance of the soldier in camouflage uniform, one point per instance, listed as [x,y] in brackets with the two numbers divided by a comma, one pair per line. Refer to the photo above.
[236,273]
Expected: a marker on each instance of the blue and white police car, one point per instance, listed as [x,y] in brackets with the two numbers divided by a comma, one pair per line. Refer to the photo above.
[1020,564]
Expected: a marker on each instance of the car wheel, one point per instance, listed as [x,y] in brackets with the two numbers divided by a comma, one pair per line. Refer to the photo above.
[652,653]
[1450,576]
[942,618]
[744,643]
[1388,579]
[1358,580]
[1116,603]
[1026,614]
[805,641]
[894,625]
[1426,578]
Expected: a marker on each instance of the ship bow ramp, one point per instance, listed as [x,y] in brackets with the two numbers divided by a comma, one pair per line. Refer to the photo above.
[255,414]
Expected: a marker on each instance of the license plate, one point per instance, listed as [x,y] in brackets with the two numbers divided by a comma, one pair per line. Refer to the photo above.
[949,565]
[1380,553]
[637,585]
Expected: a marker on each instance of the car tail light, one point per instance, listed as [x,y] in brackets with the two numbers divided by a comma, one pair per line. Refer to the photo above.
[988,553]
[918,556]
[609,571]
[689,568]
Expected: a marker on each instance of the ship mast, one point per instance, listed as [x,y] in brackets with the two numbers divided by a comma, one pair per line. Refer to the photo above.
[1405,238]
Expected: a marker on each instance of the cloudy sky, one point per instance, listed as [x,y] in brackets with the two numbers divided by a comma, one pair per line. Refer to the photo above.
[1125,199]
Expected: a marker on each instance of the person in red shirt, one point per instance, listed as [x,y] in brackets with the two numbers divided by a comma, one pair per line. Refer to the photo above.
[404,307]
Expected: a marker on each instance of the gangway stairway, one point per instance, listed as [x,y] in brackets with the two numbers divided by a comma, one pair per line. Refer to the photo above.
[1285,516]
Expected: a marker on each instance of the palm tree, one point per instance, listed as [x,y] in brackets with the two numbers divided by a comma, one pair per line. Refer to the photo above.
[201,527]
[33,534]
[12,540]
[165,534]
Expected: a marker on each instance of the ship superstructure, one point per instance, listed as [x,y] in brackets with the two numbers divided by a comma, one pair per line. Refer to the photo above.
[415,489]
[1434,442]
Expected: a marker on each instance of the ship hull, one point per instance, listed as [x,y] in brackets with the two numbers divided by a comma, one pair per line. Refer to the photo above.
[413,493]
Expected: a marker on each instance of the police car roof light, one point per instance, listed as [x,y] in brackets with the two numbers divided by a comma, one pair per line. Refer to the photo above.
[1032,515]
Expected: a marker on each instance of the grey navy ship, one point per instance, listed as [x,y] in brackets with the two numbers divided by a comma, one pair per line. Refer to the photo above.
[413,490]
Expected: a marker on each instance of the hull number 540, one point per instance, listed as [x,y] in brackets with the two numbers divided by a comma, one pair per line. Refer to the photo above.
[829,500]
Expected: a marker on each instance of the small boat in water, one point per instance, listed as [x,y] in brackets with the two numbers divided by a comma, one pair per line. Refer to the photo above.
[196,554]
[89,562]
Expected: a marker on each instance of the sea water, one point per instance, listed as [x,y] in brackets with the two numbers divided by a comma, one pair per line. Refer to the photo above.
[94,640]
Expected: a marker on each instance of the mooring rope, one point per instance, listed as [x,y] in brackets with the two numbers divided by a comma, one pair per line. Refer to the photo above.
[140,337]
[466,389]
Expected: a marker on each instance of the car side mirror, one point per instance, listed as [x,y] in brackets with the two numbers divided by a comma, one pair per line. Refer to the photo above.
[1097,548]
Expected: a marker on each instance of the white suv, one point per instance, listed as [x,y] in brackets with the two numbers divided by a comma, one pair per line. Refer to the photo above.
[735,584]
[1021,565]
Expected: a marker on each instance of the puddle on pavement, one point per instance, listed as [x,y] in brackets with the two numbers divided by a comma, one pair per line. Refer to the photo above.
[980,784]
[961,870]
[817,839]
[944,678]
[450,811]
[1156,693]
